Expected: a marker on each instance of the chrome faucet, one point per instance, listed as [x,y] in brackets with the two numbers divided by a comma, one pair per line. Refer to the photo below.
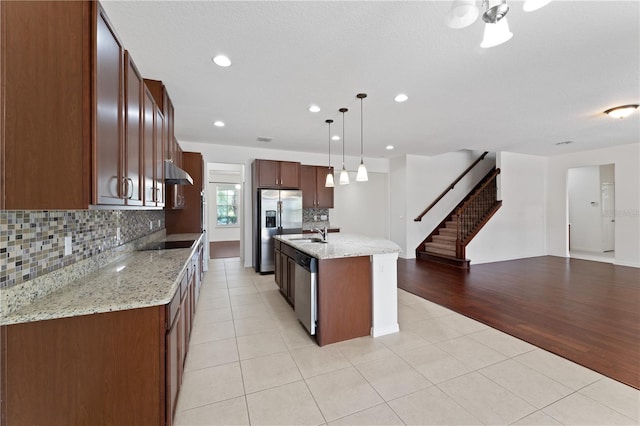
[322,232]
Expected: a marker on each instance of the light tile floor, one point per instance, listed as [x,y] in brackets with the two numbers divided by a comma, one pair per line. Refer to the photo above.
[251,362]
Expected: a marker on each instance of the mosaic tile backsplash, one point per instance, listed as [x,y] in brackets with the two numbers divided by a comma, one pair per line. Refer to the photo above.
[32,242]
[315,218]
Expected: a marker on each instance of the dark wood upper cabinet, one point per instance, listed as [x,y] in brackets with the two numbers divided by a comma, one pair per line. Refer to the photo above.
[277,174]
[174,194]
[158,158]
[189,219]
[108,88]
[45,113]
[314,193]
[72,122]
[148,141]
[133,133]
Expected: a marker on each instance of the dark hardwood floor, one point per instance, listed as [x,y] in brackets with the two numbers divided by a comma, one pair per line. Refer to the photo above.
[587,312]
[224,249]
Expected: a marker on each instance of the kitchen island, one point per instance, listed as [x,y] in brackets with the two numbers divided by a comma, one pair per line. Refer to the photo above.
[356,283]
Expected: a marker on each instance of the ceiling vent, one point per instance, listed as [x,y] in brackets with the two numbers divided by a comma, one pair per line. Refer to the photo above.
[563,143]
[264,139]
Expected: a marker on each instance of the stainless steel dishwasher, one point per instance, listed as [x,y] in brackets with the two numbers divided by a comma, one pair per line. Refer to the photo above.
[306,272]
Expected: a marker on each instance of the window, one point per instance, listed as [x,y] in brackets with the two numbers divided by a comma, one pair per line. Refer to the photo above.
[227,204]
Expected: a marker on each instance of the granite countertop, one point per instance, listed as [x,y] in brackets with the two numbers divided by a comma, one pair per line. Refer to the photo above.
[340,245]
[137,279]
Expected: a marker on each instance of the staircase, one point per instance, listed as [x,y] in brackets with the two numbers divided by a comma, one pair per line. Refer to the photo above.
[447,243]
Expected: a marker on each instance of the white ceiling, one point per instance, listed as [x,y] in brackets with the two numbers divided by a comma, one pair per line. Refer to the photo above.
[565,64]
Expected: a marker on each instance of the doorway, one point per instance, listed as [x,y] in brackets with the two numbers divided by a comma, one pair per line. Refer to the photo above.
[591,212]
[225,186]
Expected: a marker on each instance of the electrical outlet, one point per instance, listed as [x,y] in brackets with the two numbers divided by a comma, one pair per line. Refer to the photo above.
[67,246]
[150,225]
[118,233]
[158,223]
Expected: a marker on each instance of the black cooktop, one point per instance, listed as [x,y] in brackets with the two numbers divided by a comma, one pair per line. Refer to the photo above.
[165,245]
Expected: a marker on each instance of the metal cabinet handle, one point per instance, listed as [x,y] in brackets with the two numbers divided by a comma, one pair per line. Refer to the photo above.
[128,179]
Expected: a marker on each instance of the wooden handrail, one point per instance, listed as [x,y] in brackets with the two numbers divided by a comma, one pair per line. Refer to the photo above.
[450,187]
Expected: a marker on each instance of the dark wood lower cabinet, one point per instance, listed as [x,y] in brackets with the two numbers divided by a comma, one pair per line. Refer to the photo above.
[344,299]
[92,369]
[115,368]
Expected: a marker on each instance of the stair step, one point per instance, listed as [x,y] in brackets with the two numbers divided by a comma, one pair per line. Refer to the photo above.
[446,238]
[451,224]
[446,260]
[448,232]
[446,245]
[438,249]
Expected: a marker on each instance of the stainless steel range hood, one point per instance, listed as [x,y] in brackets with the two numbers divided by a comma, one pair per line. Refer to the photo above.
[174,175]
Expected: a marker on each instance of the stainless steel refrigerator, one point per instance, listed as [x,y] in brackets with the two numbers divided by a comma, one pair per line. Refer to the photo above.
[277,212]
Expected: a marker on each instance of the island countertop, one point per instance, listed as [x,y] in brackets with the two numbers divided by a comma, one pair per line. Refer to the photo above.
[137,279]
[339,245]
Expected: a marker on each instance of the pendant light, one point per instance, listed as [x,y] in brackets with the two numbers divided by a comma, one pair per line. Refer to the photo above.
[344,176]
[329,181]
[362,175]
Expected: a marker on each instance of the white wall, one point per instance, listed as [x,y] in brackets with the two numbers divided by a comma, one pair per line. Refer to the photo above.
[246,155]
[362,207]
[518,228]
[421,180]
[398,201]
[626,159]
[583,191]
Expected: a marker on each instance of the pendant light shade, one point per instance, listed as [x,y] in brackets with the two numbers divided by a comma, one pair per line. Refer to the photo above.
[344,176]
[462,14]
[362,175]
[496,34]
[621,111]
[329,180]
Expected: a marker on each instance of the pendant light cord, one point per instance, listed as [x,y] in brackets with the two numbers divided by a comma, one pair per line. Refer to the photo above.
[343,110]
[361,130]
[343,139]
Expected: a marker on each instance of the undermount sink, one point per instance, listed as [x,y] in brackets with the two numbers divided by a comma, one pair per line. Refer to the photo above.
[308,240]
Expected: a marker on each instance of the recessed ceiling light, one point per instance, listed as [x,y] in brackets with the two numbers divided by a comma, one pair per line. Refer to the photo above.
[219,123]
[389,147]
[401,97]
[621,111]
[314,108]
[335,138]
[221,61]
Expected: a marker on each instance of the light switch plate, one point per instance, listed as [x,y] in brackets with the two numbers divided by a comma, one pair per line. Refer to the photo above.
[118,233]
[67,246]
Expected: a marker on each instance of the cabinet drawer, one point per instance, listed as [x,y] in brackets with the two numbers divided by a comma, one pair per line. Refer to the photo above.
[288,250]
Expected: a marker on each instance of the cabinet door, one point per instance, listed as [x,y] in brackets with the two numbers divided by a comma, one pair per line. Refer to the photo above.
[133,133]
[324,195]
[278,267]
[291,289]
[108,89]
[289,175]
[308,186]
[173,370]
[158,158]
[268,174]
[148,117]
[184,330]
